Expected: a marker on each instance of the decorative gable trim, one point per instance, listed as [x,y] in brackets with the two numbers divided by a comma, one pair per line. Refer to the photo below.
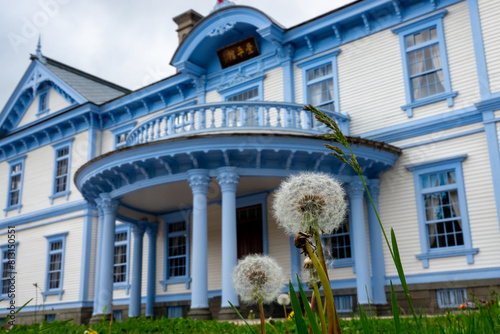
[36,78]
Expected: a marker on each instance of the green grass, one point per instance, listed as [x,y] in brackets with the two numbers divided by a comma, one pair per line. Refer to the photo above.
[484,320]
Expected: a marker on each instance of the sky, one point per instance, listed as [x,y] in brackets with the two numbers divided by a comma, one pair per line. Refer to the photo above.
[127,42]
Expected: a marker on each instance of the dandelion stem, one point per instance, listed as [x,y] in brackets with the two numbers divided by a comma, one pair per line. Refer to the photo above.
[319,247]
[320,308]
[286,320]
[332,328]
[262,318]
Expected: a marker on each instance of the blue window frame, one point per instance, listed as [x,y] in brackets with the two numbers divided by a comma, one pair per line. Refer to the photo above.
[425,62]
[120,134]
[248,89]
[343,304]
[15,188]
[320,81]
[8,253]
[176,250]
[62,170]
[43,102]
[121,257]
[55,265]
[442,210]
[451,298]
[338,246]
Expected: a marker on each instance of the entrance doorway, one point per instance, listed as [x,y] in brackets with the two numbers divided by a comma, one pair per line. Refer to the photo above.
[249,230]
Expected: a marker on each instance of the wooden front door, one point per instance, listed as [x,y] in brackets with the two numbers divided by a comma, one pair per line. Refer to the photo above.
[249,230]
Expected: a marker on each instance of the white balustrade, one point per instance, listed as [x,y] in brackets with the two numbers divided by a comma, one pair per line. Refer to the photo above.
[231,116]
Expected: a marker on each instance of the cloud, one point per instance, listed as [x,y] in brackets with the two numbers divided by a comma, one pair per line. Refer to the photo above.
[129,43]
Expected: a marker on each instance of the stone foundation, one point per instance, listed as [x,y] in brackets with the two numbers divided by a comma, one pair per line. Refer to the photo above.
[423,297]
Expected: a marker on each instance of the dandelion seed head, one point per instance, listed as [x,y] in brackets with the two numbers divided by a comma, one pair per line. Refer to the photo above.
[309,201]
[258,277]
[284,299]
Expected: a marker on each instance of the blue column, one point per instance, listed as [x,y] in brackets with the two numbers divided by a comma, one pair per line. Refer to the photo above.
[97,260]
[134,309]
[152,231]
[88,220]
[376,249]
[108,208]
[199,182]
[355,191]
[296,263]
[228,180]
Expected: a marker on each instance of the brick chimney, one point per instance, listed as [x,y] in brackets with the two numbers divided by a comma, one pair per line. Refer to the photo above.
[186,21]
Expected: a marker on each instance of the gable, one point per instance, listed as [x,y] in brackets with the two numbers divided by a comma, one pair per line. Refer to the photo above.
[23,103]
[53,102]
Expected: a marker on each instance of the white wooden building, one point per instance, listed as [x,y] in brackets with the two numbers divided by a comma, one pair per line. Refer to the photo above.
[141,202]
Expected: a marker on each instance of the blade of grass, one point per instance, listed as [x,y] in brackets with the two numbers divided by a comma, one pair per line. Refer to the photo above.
[297,311]
[402,278]
[58,324]
[239,314]
[8,317]
[395,311]
[364,320]
[310,314]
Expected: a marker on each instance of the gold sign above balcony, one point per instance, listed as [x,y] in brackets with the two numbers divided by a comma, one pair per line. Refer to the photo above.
[238,52]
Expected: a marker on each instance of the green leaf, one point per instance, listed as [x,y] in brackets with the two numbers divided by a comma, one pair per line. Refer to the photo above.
[395,310]
[307,307]
[297,312]
[8,317]
[237,312]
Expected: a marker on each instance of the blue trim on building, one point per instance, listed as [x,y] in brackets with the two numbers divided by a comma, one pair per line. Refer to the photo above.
[175,217]
[50,240]
[437,140]
[448,276]
[490,128]
[450,164]
[317,61]
[120,130]
[443,121]
[44,214]
[88,220]
[256,199]
[480,56]
[126,284]
[67,143]
[12,163]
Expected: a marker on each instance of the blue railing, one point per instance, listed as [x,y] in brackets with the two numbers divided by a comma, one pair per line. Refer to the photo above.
[245,117]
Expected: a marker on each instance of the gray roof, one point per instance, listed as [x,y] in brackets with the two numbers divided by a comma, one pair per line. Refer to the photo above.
[92,88]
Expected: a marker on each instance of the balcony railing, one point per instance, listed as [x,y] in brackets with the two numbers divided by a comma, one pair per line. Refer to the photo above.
[244,117]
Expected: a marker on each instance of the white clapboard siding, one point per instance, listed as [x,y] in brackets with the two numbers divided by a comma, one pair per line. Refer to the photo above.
[39,176]
[398,205]
[298,85]
[371,79]
[278,242]
[31,266]
[438,134]
[213,96]
[214,234]
[273,85]
[489,11]
[56,103]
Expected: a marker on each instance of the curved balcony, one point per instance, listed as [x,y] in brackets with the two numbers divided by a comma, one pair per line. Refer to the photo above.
[248,117]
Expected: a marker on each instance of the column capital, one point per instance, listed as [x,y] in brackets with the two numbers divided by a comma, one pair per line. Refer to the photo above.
[152,230]
[198,180]
[374,188]
[355,189]
[138,229]
[228,178]
[106,204]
